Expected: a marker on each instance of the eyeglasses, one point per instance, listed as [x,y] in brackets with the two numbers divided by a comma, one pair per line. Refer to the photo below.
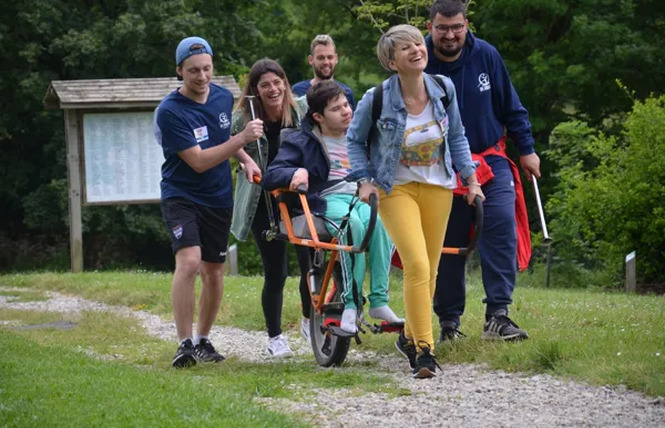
[456,29]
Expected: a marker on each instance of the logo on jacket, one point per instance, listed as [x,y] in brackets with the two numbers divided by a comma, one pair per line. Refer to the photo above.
[484,82]
[224,121]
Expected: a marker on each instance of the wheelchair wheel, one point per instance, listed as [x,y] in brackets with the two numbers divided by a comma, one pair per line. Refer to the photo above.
[329,349]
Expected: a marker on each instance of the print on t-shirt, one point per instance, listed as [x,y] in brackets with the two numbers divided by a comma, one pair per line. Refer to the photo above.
[422,145]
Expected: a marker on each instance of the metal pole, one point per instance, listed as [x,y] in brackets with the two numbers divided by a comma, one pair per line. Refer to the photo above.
[263,166]
[269,234]
[547,240]
[541,214]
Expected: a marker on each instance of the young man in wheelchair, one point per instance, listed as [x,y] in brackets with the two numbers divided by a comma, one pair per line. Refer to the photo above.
[316,156]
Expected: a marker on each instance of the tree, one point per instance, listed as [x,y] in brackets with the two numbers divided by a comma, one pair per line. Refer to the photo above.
[608,200]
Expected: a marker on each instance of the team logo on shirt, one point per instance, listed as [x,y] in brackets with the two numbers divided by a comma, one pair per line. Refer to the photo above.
[177,232]
[484,82]
[224,121]
[201,134]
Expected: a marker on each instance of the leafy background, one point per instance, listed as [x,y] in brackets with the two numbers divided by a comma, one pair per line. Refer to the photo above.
[590,73]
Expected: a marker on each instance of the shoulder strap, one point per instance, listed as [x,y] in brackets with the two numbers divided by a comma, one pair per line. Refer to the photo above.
[444,99]
[377,104]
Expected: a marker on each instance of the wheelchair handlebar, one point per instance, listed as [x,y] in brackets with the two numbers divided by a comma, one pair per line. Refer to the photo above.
[374,210]
[478,206]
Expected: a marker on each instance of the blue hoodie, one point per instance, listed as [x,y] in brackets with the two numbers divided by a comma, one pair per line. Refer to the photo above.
[486,97]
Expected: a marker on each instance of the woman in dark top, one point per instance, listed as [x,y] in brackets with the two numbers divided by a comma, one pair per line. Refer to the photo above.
[273,103]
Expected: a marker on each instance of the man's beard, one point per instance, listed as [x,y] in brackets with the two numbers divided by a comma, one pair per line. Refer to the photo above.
[448,52]
[322,76]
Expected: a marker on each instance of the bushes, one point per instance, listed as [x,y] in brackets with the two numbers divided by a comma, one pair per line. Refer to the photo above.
[609,196]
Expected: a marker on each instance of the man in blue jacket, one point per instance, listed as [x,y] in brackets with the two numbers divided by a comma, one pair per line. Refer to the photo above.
[316,156]
[490,109]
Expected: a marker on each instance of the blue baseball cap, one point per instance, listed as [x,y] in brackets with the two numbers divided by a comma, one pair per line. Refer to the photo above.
[184,49]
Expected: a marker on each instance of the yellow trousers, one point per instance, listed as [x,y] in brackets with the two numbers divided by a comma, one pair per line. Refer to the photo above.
[416,216]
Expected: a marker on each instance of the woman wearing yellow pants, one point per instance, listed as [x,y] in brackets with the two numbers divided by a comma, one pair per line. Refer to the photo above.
[409,164]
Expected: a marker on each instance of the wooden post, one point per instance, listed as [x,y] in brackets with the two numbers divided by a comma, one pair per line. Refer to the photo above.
[630,273]
[74,190]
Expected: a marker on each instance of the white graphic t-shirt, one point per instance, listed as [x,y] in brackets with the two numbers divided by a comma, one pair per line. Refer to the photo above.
[421,156]
[340,166]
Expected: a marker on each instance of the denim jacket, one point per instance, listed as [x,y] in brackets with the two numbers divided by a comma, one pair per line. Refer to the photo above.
[381,162]
[247,195]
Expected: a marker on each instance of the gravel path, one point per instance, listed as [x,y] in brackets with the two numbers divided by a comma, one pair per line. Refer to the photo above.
[465,395]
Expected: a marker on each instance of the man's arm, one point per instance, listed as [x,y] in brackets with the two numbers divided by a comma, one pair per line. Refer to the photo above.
[249,166]
[508,107]
[201,160]
[289,159]
[514,117]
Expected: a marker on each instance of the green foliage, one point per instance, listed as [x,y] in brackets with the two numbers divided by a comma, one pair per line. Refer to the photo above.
[385,14]
[609,198]
[563,58]
[46,207]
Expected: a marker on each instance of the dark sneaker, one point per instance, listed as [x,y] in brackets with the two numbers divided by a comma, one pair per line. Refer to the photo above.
[500,327]
[406,348]
[449,332]
[184,356]
[425,365]
[204,352]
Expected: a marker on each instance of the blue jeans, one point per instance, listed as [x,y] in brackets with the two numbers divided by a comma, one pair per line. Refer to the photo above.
[497,248]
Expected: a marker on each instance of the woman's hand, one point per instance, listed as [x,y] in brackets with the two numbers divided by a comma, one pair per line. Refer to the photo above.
[474,190]
[366,189]
[301,176]
[251,170]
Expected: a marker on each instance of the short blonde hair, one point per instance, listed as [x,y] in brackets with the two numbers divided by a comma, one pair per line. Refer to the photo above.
[321,39]
[385,49]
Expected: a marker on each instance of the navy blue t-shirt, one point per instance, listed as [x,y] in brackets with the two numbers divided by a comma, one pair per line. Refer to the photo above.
[181,123]
[301,89]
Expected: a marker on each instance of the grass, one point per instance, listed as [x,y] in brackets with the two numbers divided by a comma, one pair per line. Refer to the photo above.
[123,377]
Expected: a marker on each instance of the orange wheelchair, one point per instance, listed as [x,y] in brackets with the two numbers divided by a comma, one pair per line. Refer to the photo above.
[330,343]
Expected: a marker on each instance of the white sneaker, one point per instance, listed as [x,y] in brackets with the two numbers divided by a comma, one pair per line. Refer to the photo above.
[385,313]
[304,330]
[349,320]
[278,347]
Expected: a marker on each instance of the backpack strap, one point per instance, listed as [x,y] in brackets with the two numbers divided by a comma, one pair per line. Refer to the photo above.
[444,99]
[377,104]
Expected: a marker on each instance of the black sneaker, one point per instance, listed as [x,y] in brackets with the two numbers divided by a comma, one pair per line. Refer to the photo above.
[449,332]
[184,356]
[425,365]
[500,327]
[204,352]
[406,348]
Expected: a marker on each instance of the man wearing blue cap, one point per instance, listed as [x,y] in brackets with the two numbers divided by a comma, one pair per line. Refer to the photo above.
[192,124]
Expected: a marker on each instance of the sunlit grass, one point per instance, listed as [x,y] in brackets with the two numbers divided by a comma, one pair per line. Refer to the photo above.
[590,335]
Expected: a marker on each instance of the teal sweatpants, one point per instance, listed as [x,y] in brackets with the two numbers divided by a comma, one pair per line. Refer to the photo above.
[379,249]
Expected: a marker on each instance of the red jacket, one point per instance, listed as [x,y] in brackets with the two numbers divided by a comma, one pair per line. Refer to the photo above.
[483,175]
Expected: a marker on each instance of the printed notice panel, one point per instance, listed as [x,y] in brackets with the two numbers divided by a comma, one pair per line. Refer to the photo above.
[122,158]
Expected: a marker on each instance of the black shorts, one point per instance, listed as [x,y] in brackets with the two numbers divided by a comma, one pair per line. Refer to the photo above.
[190,224]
